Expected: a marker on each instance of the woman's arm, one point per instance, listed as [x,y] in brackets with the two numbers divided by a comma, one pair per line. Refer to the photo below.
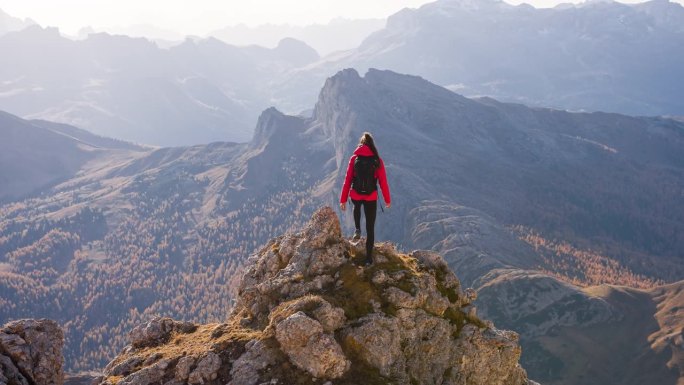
[384,186]
[347,180]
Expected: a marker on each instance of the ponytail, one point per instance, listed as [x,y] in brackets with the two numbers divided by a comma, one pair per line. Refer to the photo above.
[367,139]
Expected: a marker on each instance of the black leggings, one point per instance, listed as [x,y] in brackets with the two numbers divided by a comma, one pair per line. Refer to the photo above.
[370,209]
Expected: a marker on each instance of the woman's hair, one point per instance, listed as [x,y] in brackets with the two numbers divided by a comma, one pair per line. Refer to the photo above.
[367,139]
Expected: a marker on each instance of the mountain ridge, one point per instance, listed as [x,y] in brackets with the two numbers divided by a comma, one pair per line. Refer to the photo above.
[188,214]
[558,57]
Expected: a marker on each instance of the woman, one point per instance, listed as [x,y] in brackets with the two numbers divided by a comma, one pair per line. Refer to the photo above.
[364,170]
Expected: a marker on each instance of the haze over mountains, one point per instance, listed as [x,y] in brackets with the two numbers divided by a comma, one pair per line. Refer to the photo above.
[9,23]
[596,56]
[196,92]
[338,35]
[164,231]
[599,56]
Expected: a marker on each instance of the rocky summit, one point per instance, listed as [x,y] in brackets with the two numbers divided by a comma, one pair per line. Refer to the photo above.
[31,353]
[309,312]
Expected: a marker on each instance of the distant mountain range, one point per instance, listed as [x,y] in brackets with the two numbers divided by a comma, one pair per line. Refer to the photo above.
[195,92]
[337,35]
[596,56]
[10,24]
[531,206]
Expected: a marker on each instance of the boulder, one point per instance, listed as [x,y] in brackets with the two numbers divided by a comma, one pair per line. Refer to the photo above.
[306,344]
[31,352]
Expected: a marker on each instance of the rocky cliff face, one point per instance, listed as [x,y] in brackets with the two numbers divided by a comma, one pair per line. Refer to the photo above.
[307,313]
[31,353]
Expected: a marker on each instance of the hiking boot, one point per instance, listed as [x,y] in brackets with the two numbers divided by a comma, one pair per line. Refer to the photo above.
[357,235]
[369,259]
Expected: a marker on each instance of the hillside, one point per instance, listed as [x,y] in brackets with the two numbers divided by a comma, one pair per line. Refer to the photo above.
[167,231]
[617,335]
[36,155]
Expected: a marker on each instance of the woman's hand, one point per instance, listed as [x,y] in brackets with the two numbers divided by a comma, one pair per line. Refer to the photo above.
[389,205]
[343,206]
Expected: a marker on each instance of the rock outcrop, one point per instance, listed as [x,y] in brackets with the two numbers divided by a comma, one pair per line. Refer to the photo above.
[307,313]
[31,353]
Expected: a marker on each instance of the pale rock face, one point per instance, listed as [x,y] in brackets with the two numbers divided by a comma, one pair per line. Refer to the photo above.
[310,348]
[308,313]
[31,352]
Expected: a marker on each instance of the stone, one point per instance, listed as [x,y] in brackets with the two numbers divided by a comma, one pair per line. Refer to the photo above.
[303,340]
[256,359]
[331,318]
[183,367]
[470,295]
[35,348]
[123,368]
[152,359]
[376,341]
[147,375]
[151,333]
[206,369]
[157,331]
[9,373]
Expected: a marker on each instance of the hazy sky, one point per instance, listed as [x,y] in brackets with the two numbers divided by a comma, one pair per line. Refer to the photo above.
[198,17]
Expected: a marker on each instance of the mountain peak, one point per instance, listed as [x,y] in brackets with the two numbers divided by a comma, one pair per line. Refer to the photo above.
[296,51]
[8,23]
[306,312]
[275,127]
[31,352]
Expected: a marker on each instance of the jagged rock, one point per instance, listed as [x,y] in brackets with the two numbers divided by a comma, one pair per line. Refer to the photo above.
[308,312]
[247,369]
[9,373]
[157,330]
[147,375]
[123,368]
[376,341]
[183,367]
[309,348]
[331,318]
[206,369]
[470,295]
[488,355]
[31,352]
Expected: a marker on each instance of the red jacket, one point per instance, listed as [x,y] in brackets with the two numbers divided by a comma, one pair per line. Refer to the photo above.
[347,191]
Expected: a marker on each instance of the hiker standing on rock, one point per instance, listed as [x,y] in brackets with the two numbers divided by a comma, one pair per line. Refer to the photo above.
[364,171]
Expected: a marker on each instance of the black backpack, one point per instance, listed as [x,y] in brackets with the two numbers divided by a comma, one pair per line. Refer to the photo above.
[364,174]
